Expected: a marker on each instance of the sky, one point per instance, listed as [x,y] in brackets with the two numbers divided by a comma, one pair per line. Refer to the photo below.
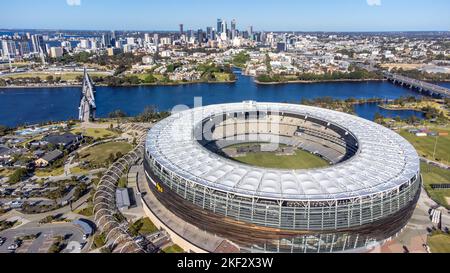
[267,15]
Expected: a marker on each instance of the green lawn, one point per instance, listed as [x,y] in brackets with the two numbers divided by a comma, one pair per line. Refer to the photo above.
[439,243]
[143,226]
[87,212]
[301,160]
[44,172]
[97,133]
[100,154]
[435,175]
[425,145]
[173,249]
[79,171]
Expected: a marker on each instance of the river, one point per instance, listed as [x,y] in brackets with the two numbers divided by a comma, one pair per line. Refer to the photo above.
[35,105]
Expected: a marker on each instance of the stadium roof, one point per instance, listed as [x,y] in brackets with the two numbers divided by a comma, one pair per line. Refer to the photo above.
[384,162]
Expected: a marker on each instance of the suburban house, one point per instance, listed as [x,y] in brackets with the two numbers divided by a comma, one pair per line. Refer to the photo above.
[67,140]
[48,158]
[5,152]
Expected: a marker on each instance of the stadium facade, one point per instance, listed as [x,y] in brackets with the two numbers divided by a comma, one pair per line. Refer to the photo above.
[366,195]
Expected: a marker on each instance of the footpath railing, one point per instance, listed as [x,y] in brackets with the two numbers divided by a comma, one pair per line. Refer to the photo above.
[105,210]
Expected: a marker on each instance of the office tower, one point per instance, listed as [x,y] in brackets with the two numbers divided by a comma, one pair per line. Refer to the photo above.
[233,29]
[9,49]
[181,29]
[147,39]
[250,32]
[113,38]
[156,40]
[219,26]
[209,32]
[131,41]
[38,44]
[224,26]
[106,40]
[200,36]
[23,48]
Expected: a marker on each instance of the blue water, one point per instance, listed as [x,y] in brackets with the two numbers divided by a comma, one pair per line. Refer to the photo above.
[30,106]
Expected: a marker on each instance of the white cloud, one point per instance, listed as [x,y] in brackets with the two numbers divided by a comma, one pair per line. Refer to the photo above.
[374,2]
[73,2]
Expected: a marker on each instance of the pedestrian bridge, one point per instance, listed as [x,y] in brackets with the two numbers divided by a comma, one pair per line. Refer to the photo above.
[87,105]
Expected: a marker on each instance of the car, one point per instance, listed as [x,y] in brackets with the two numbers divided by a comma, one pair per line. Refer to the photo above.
[13,247]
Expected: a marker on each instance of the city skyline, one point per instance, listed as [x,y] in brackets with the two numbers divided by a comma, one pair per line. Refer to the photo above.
[285,15]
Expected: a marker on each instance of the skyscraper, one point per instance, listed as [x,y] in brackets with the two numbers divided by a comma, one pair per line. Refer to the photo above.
[181,29]
[250,32]
[233,29]
[209,33]
[200,36]
[38,44]
[219,26]
[106,40]
[224,27]
[9,49]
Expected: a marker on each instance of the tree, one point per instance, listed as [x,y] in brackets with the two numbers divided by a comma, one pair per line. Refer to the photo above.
[18,176]
[117,114]
[50,79]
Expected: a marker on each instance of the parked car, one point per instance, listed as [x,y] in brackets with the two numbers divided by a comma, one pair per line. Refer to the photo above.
[13,247]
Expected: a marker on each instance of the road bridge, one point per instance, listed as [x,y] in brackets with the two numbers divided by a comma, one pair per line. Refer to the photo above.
[422,87]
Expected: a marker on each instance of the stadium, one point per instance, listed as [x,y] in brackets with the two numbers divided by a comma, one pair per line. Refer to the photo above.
[366,193]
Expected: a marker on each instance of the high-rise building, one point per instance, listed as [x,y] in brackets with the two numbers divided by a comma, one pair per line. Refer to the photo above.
[106,40]
[233,29]
[156,40]
[23,48]
[224,26]
[9,48]
[209,31]
[219,26]
[85,44]
[181,29]
[56,52]
[38,44]
[250,32]
[200,36]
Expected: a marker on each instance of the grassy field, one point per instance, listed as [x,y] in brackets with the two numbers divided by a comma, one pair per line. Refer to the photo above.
[97,133]
[435,175]
[439,243]
[173,249]
[78,171]
[99,154]
[66,76]
[425,145]
[143,226]
[44,173]
[301,160]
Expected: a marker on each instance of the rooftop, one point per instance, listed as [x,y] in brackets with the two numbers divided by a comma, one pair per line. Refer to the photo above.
[384,162]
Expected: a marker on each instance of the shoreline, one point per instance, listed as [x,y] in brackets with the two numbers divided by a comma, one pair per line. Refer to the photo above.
[114,86]
[385,107]
[319,81]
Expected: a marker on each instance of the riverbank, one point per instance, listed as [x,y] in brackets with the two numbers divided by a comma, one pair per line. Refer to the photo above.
[319,81]
[394,108]
[104,85]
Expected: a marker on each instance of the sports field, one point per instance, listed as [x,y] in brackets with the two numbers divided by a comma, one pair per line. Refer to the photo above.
[425,145]
[435,175]
[301,160]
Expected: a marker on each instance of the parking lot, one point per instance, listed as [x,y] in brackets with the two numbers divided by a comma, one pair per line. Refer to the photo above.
[46,237]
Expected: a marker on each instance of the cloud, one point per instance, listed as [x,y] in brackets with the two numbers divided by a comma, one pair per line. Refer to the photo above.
[73,2]
[374,3]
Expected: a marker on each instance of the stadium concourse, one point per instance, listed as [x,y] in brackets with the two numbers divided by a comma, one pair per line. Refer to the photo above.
[365,197]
